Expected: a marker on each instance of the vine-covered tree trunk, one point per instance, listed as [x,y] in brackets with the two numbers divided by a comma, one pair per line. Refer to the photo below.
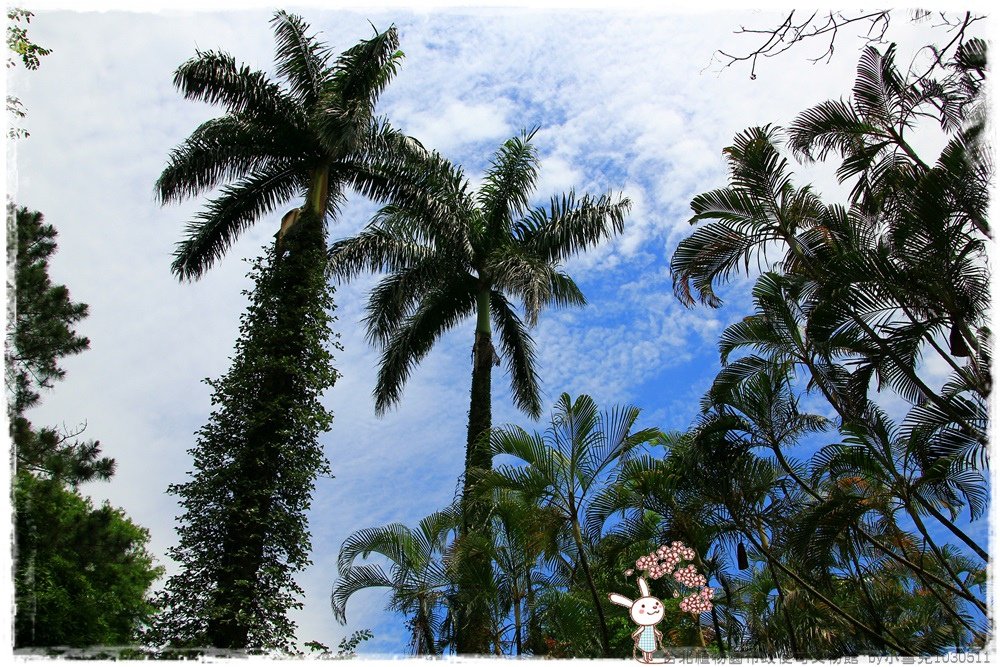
[244,532]
[474,630]
[297,281]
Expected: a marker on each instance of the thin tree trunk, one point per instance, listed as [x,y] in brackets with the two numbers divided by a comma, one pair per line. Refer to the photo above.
[822,598]
[729,604]
[902,560]
[715,618]
[536,644]
[605,639]
[876,615]
[955,530]
[781,599]
[718,632]
[517,623]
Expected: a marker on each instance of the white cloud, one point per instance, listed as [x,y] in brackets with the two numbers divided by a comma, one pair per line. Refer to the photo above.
[556,175]
[454,124]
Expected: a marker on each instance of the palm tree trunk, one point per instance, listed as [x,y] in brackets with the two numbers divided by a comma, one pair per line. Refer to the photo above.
[781,599]
[605,638]
[941,558]
[474,622]
[536,643]
[955,530]
[718,632]
[698,631]
[873,611]
[715,617]
[246,534]
[728,593]
[517,624]
[477,454]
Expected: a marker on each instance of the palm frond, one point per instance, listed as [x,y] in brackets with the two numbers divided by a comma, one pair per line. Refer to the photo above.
[300,59]
[362,72]
[508,183]
[215,78]
[222,150]
[237,207]
[518,348]
[374,249]
[397,296]
[356,579]
[441,310]
[570,226]
[537,282]
[831,126]
[394,541]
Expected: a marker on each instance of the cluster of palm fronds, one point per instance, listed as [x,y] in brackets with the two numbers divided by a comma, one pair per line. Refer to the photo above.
[874,313]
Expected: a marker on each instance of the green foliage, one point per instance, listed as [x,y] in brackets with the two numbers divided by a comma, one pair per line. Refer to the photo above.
[40,332]
[18,42]
[348,646]
[420,582]
[309,139]
[562,469]
[243,534]
[310,136]
[451,254]
[848,545]
[29,53]
[82,573]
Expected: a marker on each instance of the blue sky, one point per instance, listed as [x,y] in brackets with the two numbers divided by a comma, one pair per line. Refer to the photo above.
[626,101]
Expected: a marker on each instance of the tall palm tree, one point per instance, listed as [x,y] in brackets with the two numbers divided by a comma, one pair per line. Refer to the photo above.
[309,139]
[565,467]
[453,254]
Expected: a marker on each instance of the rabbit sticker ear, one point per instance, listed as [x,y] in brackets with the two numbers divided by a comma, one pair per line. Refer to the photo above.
[619,600]
[643,587]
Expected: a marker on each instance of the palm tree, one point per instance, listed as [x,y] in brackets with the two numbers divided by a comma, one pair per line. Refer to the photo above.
[747,493]
[899,268]
[869,288]
[419,576]
[564,467]
[308,139]
[452,254]
[752,399]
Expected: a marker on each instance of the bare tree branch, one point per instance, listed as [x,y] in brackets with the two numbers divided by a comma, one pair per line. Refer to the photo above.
[874,26]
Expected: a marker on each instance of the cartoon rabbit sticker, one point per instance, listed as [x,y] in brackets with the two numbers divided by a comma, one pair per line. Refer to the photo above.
[647,611]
